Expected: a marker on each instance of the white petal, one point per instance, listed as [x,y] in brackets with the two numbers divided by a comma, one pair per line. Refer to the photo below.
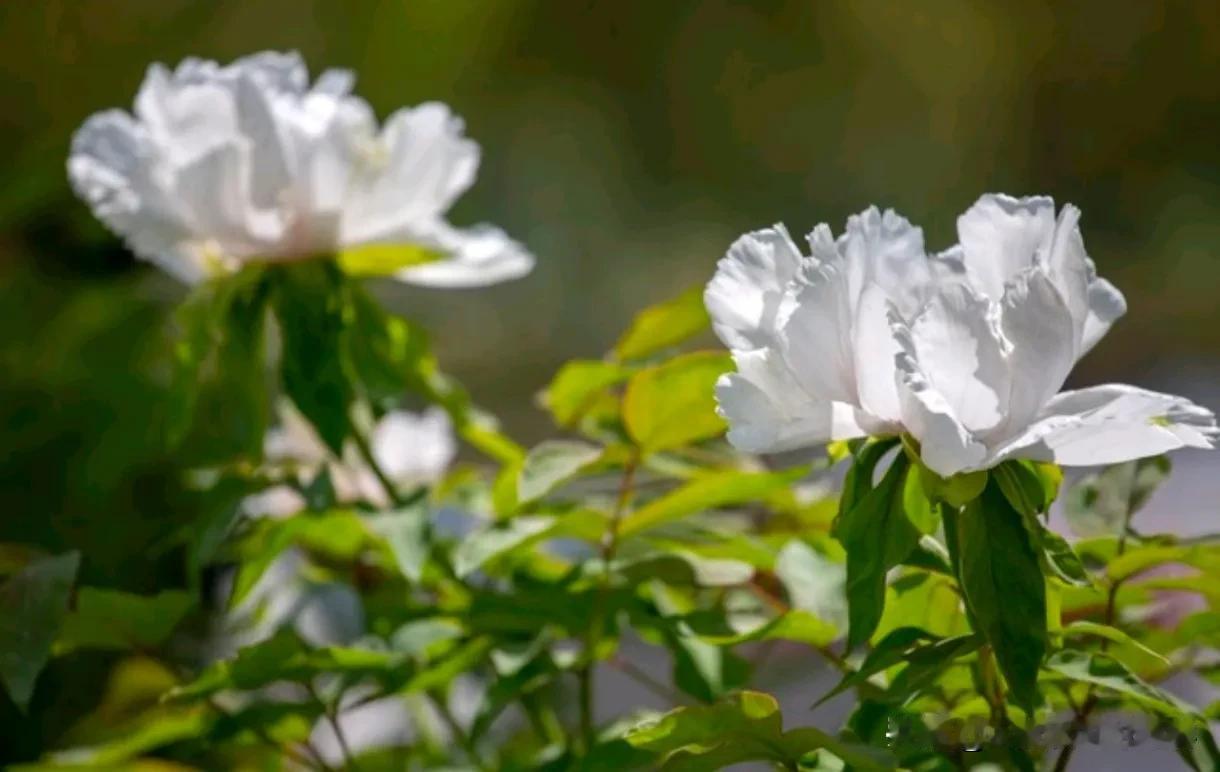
[427,164]
[1070,269]
[478,256]
[816,336]
[214,193]
[874,349]
[1039,328]
[111,167]
[768,412]
[744,296]
[1000,236]
[946,446]
[885,249]
[414,449]
[1106,305]
[1110,424]
[960,356]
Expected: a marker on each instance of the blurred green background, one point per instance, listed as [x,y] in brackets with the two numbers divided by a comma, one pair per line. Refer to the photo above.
[627,142]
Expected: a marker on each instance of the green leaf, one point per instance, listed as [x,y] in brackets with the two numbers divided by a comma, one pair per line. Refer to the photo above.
[33,603]
[708,491]
[1058,555]
[1105,671]
[910,645]
[664,325]
[1102,504]
[385,353]
[814,582]
[674,404]
[1005,590]
[284,657]
[859,479]
[1198,749]
[877,535]
[500,539]
[925,663]
[385,259]
[1112,634]
[956,491]
[219,401]
[550,464]
[407,533]
[111,619]
[310,306]
[1022,486]
[154,729]
[578,385]
[742,727]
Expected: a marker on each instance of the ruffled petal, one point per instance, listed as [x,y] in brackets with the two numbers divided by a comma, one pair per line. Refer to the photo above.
[946,446]
[744,296]
[1111,424]
[874,349]
[887,250]
[413,173]
[1039,329]
[816,335]
[768,412]
[1001,235]
[960,356]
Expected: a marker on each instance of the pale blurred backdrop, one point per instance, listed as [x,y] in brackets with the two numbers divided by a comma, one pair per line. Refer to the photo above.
[627,142]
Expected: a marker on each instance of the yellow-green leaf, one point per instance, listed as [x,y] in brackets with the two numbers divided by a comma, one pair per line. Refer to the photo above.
[663,325]
[674,404]
[385,259]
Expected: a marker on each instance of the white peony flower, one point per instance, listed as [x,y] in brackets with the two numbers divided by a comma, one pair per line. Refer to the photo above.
[220,166]
[964,350]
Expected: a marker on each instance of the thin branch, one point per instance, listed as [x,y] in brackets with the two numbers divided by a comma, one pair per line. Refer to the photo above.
[585,674]
[631,670]
[455,729]
[332,718]
[1080,721]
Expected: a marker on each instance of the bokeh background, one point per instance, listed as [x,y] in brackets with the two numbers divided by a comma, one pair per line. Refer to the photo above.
[627,142]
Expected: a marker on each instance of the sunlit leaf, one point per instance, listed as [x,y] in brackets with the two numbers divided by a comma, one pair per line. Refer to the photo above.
[742,727]
[1105,671]
[1113,634]
[385,259]
[664,325]
[577,386]
[715,489]
[674,404]
[551,463]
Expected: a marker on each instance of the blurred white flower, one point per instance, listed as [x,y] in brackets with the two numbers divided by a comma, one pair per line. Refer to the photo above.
[220,166]
[965,350]
[411,448]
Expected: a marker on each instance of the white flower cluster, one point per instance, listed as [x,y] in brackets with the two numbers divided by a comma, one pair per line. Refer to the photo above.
[220,166]
[965,350]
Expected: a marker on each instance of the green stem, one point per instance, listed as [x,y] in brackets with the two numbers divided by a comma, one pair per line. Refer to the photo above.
[597,621]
